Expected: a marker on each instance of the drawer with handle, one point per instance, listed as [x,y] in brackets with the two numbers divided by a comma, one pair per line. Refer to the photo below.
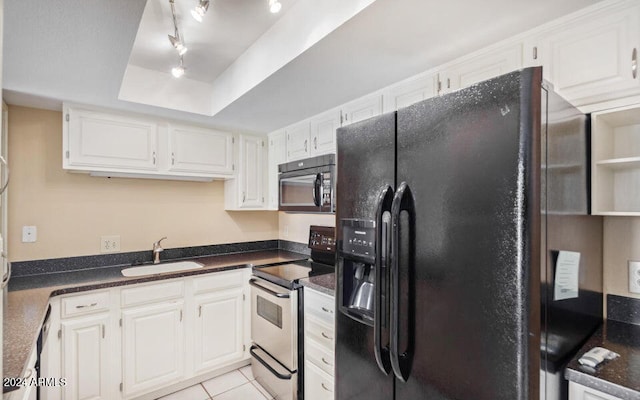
[317,384]
[319,331]
[319,305]
[95,301]
[319,355]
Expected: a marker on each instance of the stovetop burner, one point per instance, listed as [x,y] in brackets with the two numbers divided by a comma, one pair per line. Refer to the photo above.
[322,245]
[289,275]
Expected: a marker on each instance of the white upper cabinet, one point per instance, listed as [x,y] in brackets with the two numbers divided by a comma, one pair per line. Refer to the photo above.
[200,150]
[361,109]
[590,58]
[479,67]
[126,145]
[277,156]
[323,132]
[410,91]
[297,137]
[99,141]
[247,190]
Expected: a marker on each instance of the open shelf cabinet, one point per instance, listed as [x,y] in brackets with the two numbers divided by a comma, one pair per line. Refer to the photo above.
[615,175]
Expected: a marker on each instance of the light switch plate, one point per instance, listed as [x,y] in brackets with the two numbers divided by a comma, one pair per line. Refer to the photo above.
[29,234]
[634,276]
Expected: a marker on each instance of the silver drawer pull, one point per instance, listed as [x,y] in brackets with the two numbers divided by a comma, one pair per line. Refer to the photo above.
[327,362]
[325,388]
[324,335]
[87,305]
[327,310]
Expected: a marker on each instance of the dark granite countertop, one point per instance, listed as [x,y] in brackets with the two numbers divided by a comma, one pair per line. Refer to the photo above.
[322,283]
[619,377]
[28,297]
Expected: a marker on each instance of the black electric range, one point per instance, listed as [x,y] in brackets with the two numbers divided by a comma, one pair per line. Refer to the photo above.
[322,261]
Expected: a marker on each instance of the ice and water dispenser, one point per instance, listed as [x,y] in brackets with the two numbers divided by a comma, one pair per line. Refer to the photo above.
[357,266]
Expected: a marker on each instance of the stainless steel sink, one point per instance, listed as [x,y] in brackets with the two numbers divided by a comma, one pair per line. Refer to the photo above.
[161,268]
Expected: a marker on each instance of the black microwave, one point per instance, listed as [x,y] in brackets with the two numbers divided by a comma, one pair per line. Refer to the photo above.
[308,185]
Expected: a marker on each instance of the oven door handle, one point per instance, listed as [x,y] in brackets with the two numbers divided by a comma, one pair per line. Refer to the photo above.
[253,282]
[266,364]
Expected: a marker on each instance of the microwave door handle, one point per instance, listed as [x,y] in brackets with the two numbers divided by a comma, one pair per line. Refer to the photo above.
[316,190]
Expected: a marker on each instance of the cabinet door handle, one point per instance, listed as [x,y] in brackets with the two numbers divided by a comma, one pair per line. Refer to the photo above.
[154,158]
[5,165]
[535,52]
[326,388]
[325,309]
[243,196]
[324,335]
[634,63]
[305,145]
[315,143]
[173,159]
[199,311]
[87,305]
[327,362]
[180,315]
[103,331]
[448,83]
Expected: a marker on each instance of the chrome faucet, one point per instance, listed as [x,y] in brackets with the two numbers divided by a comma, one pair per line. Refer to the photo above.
[157,249]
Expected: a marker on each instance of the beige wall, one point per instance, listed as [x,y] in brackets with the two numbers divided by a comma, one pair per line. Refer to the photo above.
[621,244]
[295,227]
[71,210]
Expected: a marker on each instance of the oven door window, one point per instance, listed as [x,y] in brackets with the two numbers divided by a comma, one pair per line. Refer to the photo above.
[300,190]
[269,311]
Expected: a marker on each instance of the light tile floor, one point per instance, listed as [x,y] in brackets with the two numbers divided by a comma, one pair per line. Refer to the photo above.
[235,385]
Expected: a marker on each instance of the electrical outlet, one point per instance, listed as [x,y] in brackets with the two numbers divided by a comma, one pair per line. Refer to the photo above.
[634,276]
[110,244]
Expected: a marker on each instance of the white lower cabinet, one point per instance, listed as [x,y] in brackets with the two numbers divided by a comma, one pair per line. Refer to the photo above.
[217,345]
[319,345]
[86,357]
[140,340]
[153,347]
[318,385]
[580,392]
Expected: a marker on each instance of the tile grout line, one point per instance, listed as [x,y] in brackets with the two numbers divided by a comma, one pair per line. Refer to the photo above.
[206,391]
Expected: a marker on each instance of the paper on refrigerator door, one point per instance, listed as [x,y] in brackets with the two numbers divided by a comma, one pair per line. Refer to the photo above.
[567,273]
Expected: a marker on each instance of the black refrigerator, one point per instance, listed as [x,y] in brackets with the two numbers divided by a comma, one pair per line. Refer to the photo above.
[468,267]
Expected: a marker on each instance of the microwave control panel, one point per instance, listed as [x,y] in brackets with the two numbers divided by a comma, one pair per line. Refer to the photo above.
[326,189]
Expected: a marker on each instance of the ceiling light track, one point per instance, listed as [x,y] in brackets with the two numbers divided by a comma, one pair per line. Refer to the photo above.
[177,42]
[198,12]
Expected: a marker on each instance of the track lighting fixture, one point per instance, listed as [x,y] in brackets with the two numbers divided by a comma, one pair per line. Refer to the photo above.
[199,10]
[178,71]
[177,43]
[274,6]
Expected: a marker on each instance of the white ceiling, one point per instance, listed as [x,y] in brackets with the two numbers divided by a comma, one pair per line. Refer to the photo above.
[79,50]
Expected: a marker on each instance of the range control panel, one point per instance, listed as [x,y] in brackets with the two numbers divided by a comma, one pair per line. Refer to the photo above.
[322,238]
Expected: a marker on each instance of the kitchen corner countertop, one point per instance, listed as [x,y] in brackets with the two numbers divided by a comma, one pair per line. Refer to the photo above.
[28,298]
[322,283]
[619,377]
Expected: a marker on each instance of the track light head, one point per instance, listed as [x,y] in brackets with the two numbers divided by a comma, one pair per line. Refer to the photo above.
[274,6]
[198,12]
[177,43]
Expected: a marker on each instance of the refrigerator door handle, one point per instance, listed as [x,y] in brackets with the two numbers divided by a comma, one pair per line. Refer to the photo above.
[316,189]
[401,362]
[380,308]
